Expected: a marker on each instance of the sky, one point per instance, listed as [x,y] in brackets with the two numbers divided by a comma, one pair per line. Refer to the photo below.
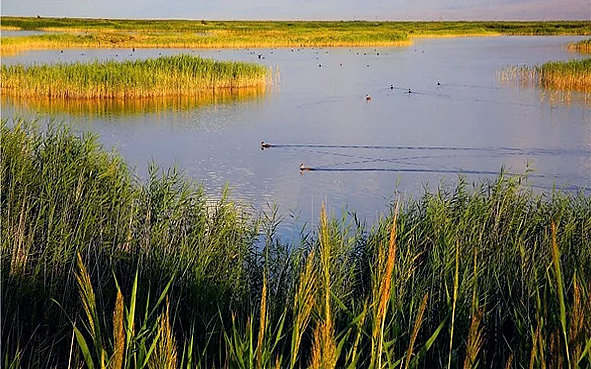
[306,9]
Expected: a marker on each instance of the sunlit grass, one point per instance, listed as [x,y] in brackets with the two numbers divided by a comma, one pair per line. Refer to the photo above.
[121,33]
[150,274]
[180,75]
[572,75]
[583,46]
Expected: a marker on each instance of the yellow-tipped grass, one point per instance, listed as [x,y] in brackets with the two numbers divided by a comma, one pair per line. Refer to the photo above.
[415,330]
[583,46]
[572,75]
[263,322]
[324,347]
[181,75]
[127,33]
[118,333]
[303,305]
[491,245]
[165,352]
[381,293]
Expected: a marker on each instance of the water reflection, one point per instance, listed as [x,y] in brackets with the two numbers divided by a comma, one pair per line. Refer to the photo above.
[95,108]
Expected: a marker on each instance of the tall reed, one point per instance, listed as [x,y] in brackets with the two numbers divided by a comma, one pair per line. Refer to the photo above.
[567,75]
[180,75]
[465,275]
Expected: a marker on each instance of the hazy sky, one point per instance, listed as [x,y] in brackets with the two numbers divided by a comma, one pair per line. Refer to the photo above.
[307,9]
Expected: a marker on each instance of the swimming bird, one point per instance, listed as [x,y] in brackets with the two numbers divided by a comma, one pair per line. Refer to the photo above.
[438,83]
[304,168]
[367,97]
[391,87]
[409,91]
[265,145]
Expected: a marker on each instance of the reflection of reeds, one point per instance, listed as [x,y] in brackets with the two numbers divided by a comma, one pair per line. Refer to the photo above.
[180,75]
[559,75]
[125,107]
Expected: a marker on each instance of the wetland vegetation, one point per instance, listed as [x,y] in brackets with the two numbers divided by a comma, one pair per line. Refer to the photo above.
[583,46]
[121,33]
[103,270]
[181,75]
[558,75]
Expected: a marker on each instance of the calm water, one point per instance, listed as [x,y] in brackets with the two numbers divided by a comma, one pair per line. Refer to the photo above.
[365,152]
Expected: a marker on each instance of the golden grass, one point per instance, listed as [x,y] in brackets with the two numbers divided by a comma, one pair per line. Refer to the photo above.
[572,75]
[180,75]
[262,325]
[475,340]
[122,33]
[381,292]
[303,305]
[583,46]
[165,352]
[324,346]
[415,330]
[118,333]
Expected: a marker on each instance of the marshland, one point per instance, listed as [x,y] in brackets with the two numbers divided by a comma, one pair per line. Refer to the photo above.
[128,33]
[180,75]
[446,227]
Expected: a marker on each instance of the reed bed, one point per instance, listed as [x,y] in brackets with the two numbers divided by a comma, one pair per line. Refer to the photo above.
[181,75]
[122,33]
[102,270]
[572,75]
[583,46]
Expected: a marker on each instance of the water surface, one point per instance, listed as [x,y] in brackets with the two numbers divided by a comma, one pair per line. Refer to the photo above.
[459,118]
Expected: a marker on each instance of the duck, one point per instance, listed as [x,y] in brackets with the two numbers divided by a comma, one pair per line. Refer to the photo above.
[304,168]
[265,145]
[409,91]
[367,97]
[391,87]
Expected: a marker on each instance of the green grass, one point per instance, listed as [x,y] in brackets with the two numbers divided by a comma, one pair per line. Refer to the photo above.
[572,75]
[181,75]
[99,268]
[107,33]
[583,46]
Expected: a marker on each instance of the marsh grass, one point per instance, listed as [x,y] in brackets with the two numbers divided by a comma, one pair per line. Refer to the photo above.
[583,46]
[150,274]
[181,75]
[572,75]
[122,33]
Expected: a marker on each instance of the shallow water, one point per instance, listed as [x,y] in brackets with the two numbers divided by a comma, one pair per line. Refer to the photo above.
[365,152]
[21,33]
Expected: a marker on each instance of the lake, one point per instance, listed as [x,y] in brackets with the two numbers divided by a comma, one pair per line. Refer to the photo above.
[460,117]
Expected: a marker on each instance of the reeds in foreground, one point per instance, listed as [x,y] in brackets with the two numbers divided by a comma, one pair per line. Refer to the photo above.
[488,275]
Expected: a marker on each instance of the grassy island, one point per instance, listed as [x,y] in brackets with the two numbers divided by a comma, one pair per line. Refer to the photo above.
[121,33]
[583,46]
[181,75]
[572,75]
[99,270]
